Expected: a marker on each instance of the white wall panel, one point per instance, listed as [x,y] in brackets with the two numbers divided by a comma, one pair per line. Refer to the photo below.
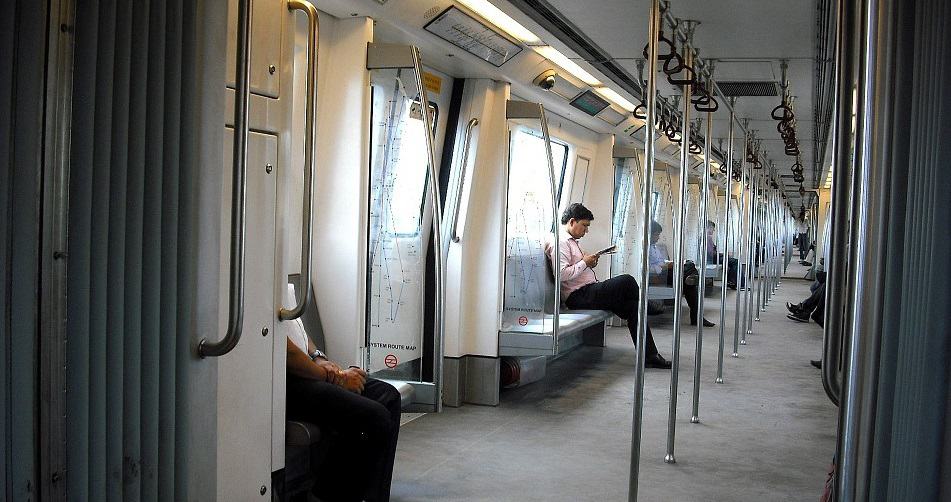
[341,183]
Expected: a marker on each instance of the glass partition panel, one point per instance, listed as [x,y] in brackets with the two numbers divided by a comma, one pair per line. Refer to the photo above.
[628,220]
[397,240]
[529,286]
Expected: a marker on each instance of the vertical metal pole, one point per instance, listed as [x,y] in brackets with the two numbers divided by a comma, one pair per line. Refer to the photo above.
[750,259]
[755,249]
[724,277]
[762,245]
[679,254]
[705,188]
[438,326]
[646,181]
[741,266]
[554,209]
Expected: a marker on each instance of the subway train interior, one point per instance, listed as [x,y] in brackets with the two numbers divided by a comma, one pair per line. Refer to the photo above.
[513,250]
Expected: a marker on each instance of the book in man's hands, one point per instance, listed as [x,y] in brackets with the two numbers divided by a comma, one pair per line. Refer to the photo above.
[608,250]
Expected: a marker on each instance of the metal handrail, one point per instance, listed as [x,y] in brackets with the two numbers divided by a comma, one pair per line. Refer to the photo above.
[678,279]
[554,196]
[724,277]
[708,145]
[837,276]
[462,177]
[649,160]
[438,314]
[307,241]
[239,167]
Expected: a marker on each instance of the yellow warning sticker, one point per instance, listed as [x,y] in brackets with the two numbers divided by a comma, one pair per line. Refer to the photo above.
[432,82]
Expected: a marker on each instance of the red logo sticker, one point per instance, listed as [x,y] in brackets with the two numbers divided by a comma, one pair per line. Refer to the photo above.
[523,321]
[390,361]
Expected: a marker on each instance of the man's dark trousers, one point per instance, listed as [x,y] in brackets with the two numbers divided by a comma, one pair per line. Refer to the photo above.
[363,429]
[617,294]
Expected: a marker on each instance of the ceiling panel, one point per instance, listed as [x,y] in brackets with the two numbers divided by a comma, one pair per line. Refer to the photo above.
[746,38]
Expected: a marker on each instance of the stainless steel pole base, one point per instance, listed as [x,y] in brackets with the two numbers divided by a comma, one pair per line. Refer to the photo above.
[720,379]
[695,419]
[734,355]
[669,459]
[742,342]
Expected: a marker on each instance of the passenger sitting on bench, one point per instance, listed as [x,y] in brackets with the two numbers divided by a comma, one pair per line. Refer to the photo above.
[580,289]
[361,415]
[662,272]
[713,256]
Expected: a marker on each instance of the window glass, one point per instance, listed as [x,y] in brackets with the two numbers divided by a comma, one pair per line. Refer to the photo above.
[409,171]
[528,171]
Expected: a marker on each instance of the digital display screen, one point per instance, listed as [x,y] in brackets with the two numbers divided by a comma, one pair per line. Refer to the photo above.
[589,102]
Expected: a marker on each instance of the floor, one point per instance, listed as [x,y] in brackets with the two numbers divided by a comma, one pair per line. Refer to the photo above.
[766,433]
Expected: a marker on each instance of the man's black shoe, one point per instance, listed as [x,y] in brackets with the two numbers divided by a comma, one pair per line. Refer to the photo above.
[798,317]
[706,323]
[657,361]
[816,363]
[793,307]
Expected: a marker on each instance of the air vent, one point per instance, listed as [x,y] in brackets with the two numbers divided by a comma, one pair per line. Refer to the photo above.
[747,88]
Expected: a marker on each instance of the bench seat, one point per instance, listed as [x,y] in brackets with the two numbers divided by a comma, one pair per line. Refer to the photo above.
[572,327]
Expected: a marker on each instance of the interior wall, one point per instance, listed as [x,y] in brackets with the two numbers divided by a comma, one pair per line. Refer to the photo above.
[474,265]
[341,184]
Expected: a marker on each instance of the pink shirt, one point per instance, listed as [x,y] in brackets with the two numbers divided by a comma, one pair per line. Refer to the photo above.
[574,272]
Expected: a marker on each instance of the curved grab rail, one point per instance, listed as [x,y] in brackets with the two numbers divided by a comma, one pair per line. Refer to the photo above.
[242,98]
[473,122]
[307,242]
[554,195]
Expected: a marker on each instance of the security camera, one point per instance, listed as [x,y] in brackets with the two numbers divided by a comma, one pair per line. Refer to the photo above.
[546,80]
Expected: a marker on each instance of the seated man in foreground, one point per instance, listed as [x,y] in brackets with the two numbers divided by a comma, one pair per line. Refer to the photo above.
[360,414]
[580,288]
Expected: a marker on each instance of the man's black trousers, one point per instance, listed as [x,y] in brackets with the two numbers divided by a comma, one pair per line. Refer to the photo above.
[363,430]
[617,294]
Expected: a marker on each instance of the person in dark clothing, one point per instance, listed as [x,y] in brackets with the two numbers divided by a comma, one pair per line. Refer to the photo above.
[715,257]
[581,289]
[813,306]
[662,271]
[359,415]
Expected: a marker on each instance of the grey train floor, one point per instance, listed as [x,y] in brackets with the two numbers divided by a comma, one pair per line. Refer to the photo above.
[767,433]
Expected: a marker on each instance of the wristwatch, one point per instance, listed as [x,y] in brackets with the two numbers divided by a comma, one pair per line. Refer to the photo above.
[317,353]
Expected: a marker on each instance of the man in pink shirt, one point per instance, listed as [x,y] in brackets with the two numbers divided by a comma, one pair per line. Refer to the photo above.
[580,288]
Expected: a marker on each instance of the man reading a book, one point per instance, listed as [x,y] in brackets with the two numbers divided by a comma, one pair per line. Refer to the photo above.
[580,288]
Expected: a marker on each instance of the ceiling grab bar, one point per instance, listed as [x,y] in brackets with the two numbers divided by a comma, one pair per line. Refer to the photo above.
[467,140]
[647,180]
[307,242]
[242,97]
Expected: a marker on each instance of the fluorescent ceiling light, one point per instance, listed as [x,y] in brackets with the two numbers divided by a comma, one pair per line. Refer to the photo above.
[495,16]
[619,100]
[566,64]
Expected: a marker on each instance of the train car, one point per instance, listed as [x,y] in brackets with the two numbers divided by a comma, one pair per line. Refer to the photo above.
[411,250]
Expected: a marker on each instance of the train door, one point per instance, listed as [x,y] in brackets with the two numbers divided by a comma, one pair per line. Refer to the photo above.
[403,338]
